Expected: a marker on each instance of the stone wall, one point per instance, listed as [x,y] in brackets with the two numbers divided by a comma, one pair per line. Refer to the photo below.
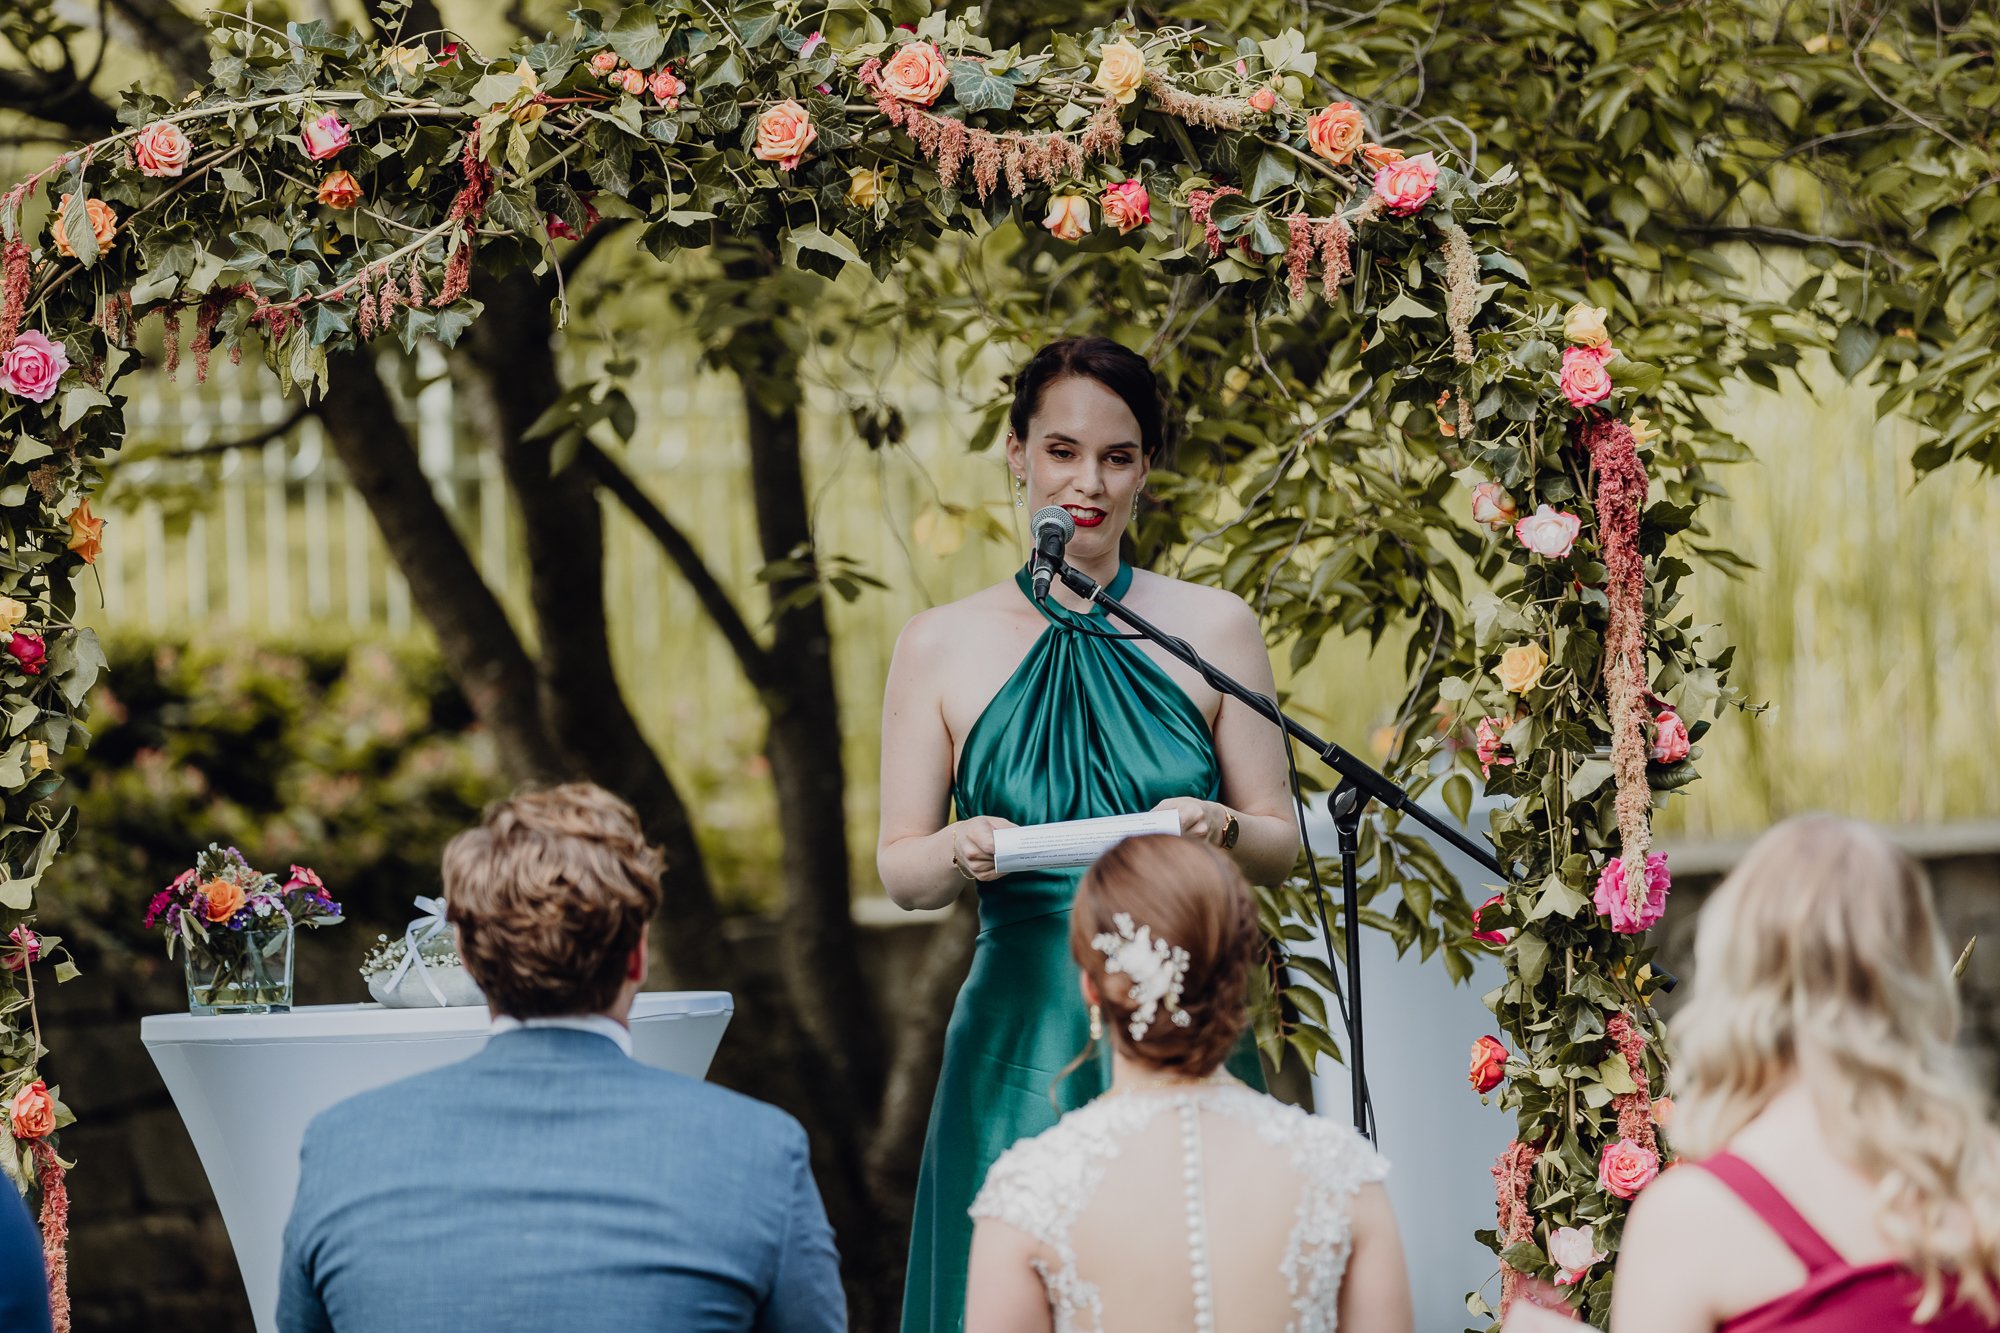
[149,1250]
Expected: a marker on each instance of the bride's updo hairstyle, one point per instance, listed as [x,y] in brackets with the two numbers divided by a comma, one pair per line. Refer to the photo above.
[1820,955]
[1114,365]
[1194,898]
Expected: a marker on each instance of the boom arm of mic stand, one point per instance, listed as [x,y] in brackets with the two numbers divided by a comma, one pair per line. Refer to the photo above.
[1371,782]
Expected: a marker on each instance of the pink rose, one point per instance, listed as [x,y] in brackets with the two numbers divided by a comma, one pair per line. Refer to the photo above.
[558,229]
[1489,1064]
[161,149]
[631,80]
[29,652]
[1502,935]
[1068,218]
[810,45]
[1263,100]
[604,62]
[33,1112]
[1671,745]
[1611,900]
[915,74]
[1337,132]
[1406,186]
[1549,531]
[325,137]
[1584,378]
[784,132]
[1626,1168]
[447,55]
[666,88]
[1573,1250]
[32,366]
[1126,206]
[1488,745]
[1492,505]
[27,948]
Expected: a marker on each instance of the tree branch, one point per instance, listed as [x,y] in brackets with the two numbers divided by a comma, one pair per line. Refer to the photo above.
[1785,235]
[255,440]
[751,656]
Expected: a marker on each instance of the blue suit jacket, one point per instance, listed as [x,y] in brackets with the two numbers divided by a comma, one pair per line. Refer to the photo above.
[551,1182]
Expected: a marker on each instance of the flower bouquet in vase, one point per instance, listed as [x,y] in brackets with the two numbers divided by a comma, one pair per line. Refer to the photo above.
[235,925]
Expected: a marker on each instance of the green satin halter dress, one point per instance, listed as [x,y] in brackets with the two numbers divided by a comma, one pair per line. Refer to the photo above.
[1085,727]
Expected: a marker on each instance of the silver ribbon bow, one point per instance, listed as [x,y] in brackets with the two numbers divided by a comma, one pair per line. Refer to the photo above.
[415,934]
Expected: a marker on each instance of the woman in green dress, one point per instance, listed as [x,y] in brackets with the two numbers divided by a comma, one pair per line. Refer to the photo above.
[1002,712]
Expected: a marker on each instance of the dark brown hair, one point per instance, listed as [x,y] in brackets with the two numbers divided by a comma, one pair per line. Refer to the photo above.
[1115,366]
[550,895]
[1194,898]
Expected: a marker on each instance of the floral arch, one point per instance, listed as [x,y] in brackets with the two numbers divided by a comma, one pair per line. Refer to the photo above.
[323,192]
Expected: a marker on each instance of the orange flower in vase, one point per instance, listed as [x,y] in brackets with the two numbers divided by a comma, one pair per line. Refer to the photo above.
[221,900]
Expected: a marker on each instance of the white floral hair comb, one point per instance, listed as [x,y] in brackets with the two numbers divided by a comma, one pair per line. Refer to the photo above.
[1155,968]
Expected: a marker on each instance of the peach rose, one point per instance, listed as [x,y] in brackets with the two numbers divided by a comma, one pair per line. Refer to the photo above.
[1121,70]
[1126,206]
[784,132]
[1263,100]
[12,613]
[631,80]
[325,137]
[1406,186]
[1626,1168]
[1378,156]
[161,149]
[666,88]
[1068,217]
[1573,1250]
[1584,325]
[103,225]
[864,187]
[32,1114]
[1337,132]
[1549,531]
[340,190]
[1644,432]
[222,898]
[86,532]
[1672,744]
[1489,1064]
[1663,1112]
[1584,379]
[33,366]
[1521,667]
[1492,505]
[915,74]
[605,62]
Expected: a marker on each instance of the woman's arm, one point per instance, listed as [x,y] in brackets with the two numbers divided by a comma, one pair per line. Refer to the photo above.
[1375,1294]
[1003,1293]
[915,848]
[1665,1258]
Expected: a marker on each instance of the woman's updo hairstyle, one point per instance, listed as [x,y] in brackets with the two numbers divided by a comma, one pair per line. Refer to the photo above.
[1115,366]
[1194,898]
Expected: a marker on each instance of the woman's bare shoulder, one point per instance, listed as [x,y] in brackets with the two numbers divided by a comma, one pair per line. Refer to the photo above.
[943,628]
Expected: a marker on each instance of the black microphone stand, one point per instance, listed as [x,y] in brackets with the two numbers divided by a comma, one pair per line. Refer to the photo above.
[1359,784]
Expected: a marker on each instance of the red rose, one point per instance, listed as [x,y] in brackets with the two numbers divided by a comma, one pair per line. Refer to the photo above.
[1500,936]
[1489,1064]
[29,652]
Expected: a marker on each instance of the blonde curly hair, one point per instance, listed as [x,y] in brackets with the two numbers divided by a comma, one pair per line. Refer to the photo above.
[1820,955]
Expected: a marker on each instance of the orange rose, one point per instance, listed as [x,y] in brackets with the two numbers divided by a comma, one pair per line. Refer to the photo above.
[1378,156]
[32,1115]
[915,74]
[222,899]
[1068,217]
[1336,132]
[85,533]
[340,190]
[103,225]
[784,132]
[1489,1064]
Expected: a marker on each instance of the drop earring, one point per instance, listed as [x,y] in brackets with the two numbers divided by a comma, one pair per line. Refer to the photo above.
[1020,495]
[1096,1025]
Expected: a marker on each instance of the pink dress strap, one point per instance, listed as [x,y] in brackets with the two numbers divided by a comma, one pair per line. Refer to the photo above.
[1776,1211]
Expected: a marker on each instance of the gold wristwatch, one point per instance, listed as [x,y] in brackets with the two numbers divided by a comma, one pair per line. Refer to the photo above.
[1230,830]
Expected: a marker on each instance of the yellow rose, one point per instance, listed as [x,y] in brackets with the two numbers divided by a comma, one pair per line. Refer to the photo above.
[405,60]
[12,613]
[864,187]
[1068,217]
[1121,68]
[1584,325]
[1644,432]
[38,756]
[1521,667]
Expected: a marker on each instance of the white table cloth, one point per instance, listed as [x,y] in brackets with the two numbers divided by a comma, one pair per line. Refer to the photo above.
[247,1084]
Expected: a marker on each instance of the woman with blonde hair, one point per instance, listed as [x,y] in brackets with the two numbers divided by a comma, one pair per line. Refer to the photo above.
[1181,1199]
[1849,1175]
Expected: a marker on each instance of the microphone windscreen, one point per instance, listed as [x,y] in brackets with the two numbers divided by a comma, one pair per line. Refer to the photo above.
[1053,516]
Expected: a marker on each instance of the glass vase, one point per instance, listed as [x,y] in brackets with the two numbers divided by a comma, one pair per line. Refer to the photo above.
[241,972]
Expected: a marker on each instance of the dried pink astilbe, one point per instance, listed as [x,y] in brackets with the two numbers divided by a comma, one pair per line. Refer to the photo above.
[1298,254]
[952,142]
[870,73]
[1104,136]
[895,111]
[13,291]
[1635,1109]
[1016,166]
[1465,416]
[987,156]
[1515,1220]
[1619,500]
[1461,285]
[1210,113]
[457,274]
[1336,256]
[364,307]
[170,322]
[204,332]
[923,130]
[1366,211]
[55,1232]
[1201,204]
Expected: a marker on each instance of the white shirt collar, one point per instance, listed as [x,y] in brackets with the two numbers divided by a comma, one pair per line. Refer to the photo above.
[602,1024]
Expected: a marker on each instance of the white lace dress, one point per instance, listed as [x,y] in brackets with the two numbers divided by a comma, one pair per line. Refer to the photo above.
[1203,1207]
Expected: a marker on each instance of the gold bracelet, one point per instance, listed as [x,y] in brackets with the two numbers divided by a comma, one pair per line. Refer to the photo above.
[959,866]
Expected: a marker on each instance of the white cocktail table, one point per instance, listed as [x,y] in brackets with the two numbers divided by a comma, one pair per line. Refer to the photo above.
[246,1084]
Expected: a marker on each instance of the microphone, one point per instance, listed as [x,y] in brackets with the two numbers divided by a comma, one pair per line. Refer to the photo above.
[1053,527]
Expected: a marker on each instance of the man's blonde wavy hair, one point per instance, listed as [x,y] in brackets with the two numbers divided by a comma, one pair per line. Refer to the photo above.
[1820,955]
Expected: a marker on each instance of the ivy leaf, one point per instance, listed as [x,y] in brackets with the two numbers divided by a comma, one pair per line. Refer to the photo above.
[976,90]
[79,400]
[76,224]
[1405,306]
[1273,172]
[636,36]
